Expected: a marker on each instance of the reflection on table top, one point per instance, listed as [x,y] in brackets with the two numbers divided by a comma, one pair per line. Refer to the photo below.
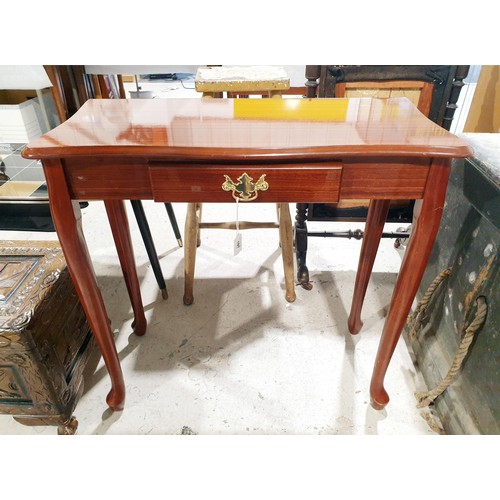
[257,128]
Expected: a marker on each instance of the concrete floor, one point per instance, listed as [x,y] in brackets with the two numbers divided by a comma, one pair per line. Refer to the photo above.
[241,360]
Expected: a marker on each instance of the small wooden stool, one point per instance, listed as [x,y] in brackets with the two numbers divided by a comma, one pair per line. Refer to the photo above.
[268,81]
[213,82]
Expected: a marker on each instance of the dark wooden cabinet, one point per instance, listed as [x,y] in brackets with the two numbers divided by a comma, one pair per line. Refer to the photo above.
[433,89]
[467,245]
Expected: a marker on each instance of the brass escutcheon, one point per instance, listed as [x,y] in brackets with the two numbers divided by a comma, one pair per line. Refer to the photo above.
[245,189]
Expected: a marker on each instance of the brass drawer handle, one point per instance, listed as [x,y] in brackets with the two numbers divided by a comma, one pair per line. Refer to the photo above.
[245,189]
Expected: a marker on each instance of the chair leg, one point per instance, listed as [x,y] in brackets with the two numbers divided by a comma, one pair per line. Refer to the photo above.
[301,245]
[173,222]
[192,241]
[286,240]
[191,231]
[142,222]
[199,209]
[377,215]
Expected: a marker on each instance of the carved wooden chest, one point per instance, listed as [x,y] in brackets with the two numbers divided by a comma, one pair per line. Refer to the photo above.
[45,339]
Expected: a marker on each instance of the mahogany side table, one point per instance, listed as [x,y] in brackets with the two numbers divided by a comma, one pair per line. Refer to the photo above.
[306,150]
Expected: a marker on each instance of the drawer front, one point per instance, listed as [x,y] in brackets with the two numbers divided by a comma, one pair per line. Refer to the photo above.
[315,182]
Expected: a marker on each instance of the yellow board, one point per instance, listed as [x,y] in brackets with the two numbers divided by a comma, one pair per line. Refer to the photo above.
[19,189]
[291,109]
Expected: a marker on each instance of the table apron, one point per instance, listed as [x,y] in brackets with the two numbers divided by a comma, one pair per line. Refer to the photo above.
[384,178]
[321,182]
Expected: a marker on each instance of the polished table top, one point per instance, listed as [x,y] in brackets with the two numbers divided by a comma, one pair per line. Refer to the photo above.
[265,129]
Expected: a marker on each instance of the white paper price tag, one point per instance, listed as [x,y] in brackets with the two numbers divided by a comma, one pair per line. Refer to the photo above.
[238,244]
[238,240]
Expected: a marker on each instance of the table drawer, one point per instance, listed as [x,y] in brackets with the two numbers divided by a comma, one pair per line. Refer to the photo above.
[315,182]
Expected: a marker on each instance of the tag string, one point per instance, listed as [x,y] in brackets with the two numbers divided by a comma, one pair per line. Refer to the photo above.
[237,217]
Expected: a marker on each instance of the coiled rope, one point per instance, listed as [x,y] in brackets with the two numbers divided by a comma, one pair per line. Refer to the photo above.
[426,398]
[415,320]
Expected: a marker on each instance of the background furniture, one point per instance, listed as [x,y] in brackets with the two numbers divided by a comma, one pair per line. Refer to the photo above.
[484,112]
[24,201]
[111,87]
[265,81]
[67,79]
[27,110]
[45,340]
[214,81]
[433,89]
[24,84]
